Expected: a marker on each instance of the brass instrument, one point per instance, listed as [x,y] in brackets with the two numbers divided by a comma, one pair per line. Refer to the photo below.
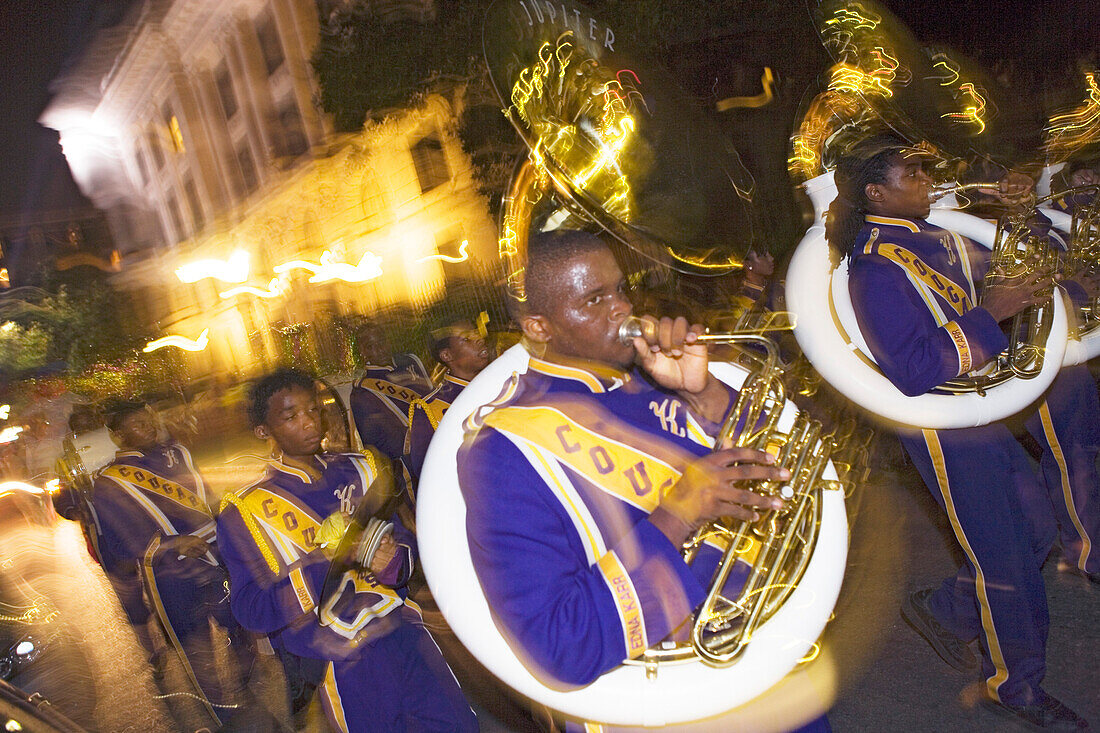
[783,540]
[612,144]
[939,193]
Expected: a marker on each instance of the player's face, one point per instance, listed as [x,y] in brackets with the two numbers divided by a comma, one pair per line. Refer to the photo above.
[137,431]
[905,191]
[467,353]
[584,322]
[294,421]
[374,347]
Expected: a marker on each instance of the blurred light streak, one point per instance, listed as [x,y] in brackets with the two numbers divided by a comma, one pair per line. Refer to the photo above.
[5,411]
[180,342]
[274,289]
[1070,131]
[463,255]
[971,113]
[233,270]
[369,268]
[9,435]
[767,80]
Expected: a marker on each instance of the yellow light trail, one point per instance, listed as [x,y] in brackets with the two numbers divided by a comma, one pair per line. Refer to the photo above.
[5,411]
[463,255]
[369,268]
[180,342]
[233,270]
[274,289]
[971,113]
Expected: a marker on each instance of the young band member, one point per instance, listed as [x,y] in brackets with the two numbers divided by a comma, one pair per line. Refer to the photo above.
[381,398]
[915,290]
[155,532]
[376,666]
[459,347]
[586,476]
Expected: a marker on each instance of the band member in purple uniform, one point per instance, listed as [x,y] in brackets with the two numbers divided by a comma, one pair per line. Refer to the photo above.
[155,532]
[376,667]
[462,349]
[915,290]
[586,476]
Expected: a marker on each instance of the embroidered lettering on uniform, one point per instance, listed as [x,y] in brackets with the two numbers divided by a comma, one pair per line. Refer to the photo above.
[626,599]
[284,517]
[627,472]
[152,483]
[937,281]
[961,345]
[945,240]
[666,411]
[389,389]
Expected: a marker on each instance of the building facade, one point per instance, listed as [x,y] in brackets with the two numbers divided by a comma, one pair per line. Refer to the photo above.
[193,126]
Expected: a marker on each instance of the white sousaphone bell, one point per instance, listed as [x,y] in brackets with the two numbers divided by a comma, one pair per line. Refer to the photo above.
[828,334]
[679,692]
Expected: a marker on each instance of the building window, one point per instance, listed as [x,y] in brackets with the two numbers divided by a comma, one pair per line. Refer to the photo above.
[192,194]
[177,219]
[248,169]
[294,137]
[157,150]
[430,162]
[142,166]
[270,46]
[228,97]
[172,126]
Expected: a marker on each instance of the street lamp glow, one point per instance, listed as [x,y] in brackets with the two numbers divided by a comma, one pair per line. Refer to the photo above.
[233,270]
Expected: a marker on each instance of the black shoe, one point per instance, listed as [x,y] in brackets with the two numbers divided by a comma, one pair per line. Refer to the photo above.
[1065,566]
[1046,713]
[953,650]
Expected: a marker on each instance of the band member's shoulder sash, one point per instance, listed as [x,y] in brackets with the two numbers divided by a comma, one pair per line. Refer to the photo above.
[624,461]
[950,292]
[149,482]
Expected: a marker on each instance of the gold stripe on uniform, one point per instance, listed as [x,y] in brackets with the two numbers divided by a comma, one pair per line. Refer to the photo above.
[954,330]
[1067,490]
[935,452]
[955,296]
[151,482]
[301,589]
[638,478]
[286,518]
[331,699]
[626,601]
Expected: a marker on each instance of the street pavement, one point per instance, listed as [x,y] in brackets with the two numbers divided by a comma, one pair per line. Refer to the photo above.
[889,677]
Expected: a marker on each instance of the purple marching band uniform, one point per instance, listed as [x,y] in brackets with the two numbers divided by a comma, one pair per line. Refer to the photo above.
[381,670]
[426,414]
[559,476]
[380,403]
[1066,425]
[914,286]
[140,504]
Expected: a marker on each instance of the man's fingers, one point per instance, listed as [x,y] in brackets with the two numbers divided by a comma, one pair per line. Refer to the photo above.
[731,456]
[744,497]
[751,472]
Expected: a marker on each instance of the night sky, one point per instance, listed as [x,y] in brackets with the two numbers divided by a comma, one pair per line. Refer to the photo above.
[37,35]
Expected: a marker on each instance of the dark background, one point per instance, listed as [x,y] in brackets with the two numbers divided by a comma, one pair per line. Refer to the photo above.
[1038,39]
